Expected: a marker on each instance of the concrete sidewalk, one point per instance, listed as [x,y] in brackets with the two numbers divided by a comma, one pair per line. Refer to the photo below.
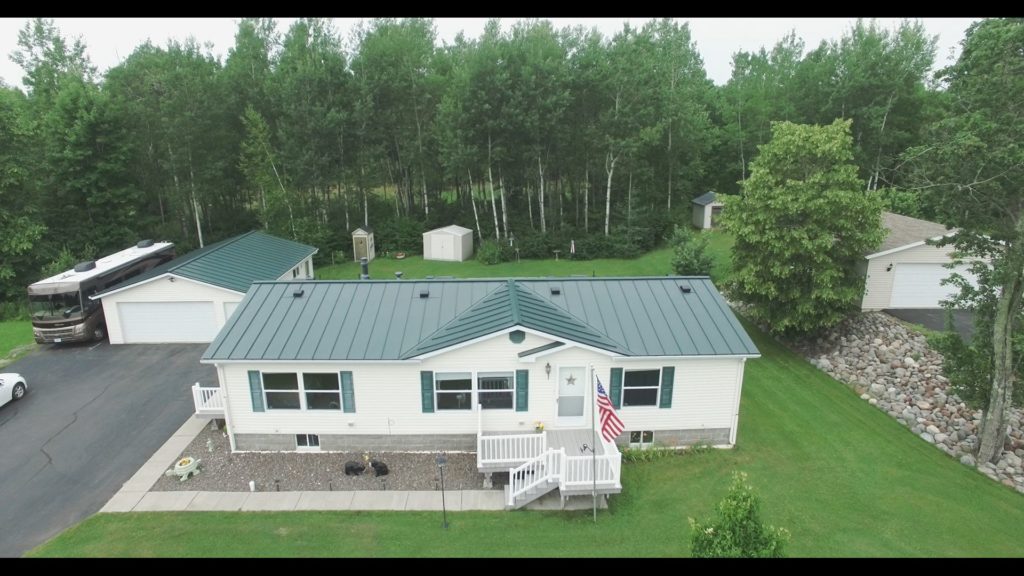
[134,495]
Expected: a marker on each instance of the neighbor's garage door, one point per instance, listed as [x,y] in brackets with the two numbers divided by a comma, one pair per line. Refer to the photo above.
[158,322]
[920,285]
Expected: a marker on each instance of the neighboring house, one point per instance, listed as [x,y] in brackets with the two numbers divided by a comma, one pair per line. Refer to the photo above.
[706,209]
[191,297]
[451,243]
[475,364]
[905,272]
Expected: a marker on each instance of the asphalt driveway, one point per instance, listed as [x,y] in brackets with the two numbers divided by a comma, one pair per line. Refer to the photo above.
[92,416]
[935,319]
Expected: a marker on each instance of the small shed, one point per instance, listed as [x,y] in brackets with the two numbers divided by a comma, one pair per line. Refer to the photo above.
[452,243]
[706,209]
[362,244]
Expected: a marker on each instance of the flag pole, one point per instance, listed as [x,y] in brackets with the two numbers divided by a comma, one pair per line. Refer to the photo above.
[593,433]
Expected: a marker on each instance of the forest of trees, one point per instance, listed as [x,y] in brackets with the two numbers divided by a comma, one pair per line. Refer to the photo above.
[526,132]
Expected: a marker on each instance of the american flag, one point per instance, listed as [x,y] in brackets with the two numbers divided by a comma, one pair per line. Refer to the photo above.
[611,426]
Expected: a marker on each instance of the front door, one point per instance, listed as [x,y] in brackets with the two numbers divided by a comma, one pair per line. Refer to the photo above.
[572,394]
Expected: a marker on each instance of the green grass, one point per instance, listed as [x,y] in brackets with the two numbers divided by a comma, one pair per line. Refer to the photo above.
[14,334]
[654,263]
[841,476]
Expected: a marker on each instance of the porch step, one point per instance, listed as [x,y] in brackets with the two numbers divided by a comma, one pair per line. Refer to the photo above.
[531,494]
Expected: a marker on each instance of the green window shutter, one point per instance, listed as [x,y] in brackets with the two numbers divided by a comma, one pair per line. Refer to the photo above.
[427,390]
[256,391]
[668,374]
[616,389]
[522,390]
[348,395]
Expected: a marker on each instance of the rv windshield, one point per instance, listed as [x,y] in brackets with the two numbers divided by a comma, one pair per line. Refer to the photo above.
[55,306]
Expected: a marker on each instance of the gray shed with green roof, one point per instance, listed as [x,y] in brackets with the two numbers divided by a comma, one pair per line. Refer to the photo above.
[191,297]
[438,364]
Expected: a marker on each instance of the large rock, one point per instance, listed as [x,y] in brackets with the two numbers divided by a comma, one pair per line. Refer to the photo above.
[927,437]
[967,460]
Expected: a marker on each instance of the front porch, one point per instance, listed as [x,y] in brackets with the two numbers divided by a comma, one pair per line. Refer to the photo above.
[576,461]
[209,402]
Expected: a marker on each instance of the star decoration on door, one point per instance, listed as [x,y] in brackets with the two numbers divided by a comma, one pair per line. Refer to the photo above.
[571,380]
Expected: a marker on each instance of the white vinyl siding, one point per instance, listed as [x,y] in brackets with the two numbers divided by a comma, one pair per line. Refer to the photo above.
[390,401]
[163,290]
[879,281]
[302,271]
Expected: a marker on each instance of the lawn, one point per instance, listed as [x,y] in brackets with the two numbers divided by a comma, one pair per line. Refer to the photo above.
[841,476]
[14,334]
[655,263]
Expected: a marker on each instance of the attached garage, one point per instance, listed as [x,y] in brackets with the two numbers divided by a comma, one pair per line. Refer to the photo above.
[451,243]
[906,272]
[189,299]
[155,322]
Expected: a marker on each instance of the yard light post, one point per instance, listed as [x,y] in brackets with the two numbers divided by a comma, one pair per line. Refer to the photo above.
[441,461]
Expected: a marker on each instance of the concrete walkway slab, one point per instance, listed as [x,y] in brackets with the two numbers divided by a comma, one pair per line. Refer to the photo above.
[218,501]
[430,500]
[123,501]
[310,500]
[165,501]
[271,501]
[379,500]
[482,500]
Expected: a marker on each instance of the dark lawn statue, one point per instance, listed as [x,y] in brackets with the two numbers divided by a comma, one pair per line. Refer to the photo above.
[379,468]
[353,468]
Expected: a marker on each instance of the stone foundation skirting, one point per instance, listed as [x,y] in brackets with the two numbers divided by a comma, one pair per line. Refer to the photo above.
[360,442]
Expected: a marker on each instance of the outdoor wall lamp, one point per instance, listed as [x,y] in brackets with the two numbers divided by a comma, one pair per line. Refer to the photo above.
[889,267]
[547,369]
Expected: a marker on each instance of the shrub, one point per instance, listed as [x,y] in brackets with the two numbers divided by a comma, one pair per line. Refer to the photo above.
[689,253]
[650,454]
[489,252]
[738,532]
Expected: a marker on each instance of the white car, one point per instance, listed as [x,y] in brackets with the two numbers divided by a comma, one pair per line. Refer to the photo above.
[12,387]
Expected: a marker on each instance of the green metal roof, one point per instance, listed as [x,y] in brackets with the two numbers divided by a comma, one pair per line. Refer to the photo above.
[704,199]
[234,263]
[508,306]
[401,319]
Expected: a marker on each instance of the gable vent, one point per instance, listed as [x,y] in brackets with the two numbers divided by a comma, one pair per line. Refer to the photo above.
[685,289]
[298,293]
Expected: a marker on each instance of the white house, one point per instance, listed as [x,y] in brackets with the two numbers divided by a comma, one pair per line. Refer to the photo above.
[706,209]
[905,271]
[476,365]
[189,299]
[452,243]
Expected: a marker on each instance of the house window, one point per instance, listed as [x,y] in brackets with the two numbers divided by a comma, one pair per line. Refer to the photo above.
[309,269]
[307,442]
[641,438]
[496,390]
[640,387]
[282,391]
[295,272]
[322,391]
[454,390]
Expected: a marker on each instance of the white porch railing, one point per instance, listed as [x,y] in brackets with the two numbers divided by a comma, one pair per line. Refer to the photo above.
[541,471]
[506,450]
[580,471]
[208,401]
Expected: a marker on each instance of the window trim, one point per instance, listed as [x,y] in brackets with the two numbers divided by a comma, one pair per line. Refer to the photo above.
[438,392]
[307,447]
[496,374]
[301,391]
[475,390]
[657,396]
[641,444]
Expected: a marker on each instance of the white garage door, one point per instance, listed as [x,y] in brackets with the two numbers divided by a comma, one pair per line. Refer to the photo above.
[158,322]
[920,285]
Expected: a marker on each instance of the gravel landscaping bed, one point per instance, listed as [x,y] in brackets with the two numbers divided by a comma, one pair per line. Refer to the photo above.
[222,471]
